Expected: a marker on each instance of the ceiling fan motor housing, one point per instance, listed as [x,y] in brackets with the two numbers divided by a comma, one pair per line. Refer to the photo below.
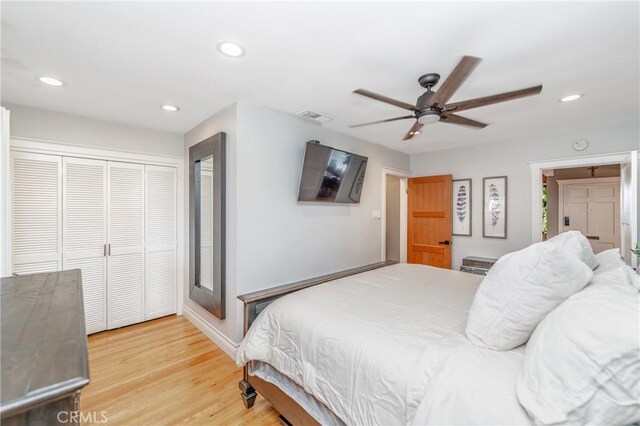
[424,101]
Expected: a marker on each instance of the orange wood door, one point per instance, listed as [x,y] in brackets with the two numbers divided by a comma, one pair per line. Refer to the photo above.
[429,221]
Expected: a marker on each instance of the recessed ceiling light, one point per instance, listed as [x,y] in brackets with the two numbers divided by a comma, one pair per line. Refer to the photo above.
[231,48]
[51,81]
[170,108]
[570,98]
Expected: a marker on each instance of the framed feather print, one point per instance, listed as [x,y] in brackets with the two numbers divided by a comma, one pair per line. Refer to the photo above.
[494,212]
[461,207]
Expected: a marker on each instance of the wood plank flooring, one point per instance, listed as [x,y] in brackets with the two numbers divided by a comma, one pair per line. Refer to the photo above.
[165,372]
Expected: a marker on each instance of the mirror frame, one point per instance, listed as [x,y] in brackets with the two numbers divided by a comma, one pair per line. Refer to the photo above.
[212,301]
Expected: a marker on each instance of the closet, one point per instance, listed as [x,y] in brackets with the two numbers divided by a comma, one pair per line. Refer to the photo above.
[115,221]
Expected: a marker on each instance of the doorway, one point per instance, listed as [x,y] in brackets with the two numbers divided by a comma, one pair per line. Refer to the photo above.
[596,195]
[586,199]
[394,215]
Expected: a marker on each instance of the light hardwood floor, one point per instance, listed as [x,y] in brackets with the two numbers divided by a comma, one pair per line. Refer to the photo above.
[166,372]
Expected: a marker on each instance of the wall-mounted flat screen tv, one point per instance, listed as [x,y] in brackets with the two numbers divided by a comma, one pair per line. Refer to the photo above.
[331,175]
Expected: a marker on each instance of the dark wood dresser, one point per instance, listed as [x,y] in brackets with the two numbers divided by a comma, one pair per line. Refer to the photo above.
[44,348]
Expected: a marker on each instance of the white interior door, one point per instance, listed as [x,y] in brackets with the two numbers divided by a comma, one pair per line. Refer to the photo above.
[594,210]
[125,277]
[36,212]
[85,233]
[161,240]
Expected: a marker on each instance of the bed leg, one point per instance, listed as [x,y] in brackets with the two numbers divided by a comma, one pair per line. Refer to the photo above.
[248,394]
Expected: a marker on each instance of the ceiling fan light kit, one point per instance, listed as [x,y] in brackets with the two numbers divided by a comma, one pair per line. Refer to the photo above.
[432,106]
[428,116]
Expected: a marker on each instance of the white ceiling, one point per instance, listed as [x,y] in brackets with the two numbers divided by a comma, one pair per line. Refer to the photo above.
[123,60]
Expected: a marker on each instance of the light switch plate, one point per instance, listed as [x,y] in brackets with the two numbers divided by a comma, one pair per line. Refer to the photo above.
[376,214]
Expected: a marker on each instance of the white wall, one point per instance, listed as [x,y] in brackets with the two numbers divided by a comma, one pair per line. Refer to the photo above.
[510,158]
[54,126]
[278,240]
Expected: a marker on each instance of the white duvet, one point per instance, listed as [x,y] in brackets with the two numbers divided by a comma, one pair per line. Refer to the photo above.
[387,347]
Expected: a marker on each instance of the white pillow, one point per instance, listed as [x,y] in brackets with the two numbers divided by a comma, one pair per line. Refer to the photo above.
[612,259]
[609,259]
[519,290]
[579,244]
[582,364]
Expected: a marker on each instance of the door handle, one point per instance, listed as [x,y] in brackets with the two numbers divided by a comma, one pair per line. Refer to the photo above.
[593,237]
[445,242]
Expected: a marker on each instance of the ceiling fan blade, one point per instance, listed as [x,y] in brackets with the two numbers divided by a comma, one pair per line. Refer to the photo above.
[459,74]
[493,99]
[385,99]
[383,121]
[458,119]
[412,131]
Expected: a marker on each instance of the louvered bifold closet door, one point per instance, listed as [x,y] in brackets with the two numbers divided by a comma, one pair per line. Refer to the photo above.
[125,277]
[161,239]
[37,212]
[85,233]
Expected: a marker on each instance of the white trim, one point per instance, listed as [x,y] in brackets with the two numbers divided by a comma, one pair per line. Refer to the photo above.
[536,181]
[5,201]
[21,144]
[222,341]
[74,150]
[632,161]
[586,160]
[403,219]
[404,199]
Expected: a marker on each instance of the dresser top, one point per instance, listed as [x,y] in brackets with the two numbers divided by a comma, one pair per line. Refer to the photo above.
[44,340]
[480,259]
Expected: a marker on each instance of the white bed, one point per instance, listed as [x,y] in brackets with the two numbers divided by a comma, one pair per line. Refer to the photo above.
[387,347]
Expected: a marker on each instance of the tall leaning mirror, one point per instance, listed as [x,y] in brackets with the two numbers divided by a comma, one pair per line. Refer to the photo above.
[207,224]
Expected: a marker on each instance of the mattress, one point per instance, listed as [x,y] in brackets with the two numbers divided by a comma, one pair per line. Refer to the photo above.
[312,406]
[387,347]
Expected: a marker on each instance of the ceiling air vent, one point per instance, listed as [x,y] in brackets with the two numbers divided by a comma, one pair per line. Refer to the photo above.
[310,115]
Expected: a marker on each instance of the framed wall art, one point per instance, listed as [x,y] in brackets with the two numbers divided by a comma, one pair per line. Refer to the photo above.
[494,212]
[461,207]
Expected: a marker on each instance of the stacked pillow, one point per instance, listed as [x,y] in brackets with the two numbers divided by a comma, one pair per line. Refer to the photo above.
[582,364]
[524,286]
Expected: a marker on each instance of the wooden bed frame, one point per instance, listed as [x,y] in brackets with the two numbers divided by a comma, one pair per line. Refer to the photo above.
[254,303]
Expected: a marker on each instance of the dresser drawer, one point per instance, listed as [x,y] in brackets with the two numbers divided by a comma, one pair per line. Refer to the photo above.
[472,270]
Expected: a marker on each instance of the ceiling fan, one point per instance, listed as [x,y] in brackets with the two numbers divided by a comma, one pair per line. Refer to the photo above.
[432,106]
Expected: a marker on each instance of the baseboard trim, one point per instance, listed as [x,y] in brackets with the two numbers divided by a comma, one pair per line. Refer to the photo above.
[223,342]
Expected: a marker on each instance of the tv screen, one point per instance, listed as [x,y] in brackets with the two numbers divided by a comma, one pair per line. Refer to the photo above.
[331,175]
